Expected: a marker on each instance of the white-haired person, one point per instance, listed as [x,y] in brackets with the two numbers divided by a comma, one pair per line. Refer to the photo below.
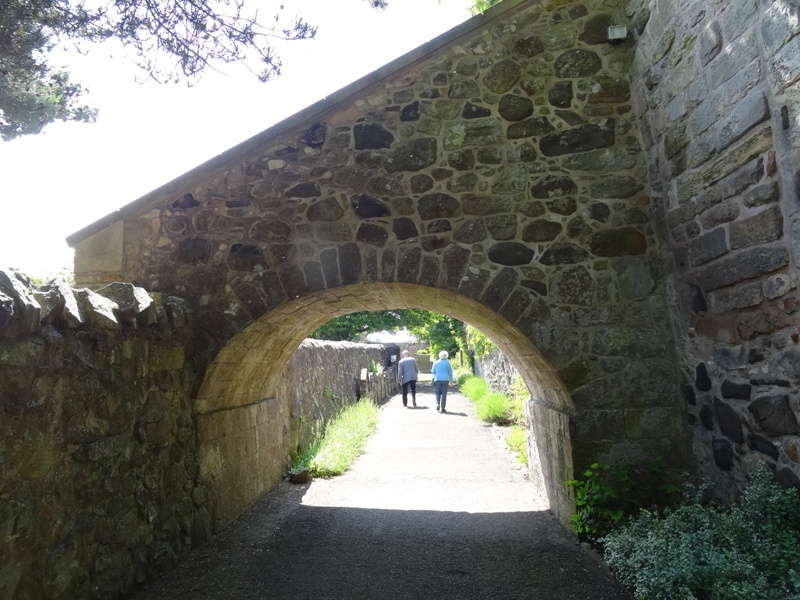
[407,372]
[442,376]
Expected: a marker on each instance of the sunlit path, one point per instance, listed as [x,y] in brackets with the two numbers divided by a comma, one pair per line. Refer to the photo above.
[423,460]
[434,508]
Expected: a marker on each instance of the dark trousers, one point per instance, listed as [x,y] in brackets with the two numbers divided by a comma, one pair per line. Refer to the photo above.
[413,385]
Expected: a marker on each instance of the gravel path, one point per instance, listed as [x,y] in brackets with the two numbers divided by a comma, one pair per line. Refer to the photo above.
[435,508]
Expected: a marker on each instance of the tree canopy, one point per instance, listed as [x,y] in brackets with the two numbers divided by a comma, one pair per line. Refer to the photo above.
[356,325]
[437,331]
[170,40]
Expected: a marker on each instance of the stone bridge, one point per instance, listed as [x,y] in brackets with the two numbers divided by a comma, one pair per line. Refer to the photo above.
[612,215]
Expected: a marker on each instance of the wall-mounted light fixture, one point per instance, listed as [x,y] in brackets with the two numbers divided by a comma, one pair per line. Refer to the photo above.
[617,33]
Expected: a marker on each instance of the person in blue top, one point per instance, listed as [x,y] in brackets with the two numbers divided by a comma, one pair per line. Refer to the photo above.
[442,376]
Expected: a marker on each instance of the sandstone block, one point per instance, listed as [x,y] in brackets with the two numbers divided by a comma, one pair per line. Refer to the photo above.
[372,136]
[762,228]
[413,155]
[747,114]
[774,416]
[708,247]
[745,265]
[723,453]
[577,63]
[579,139]
[510,254]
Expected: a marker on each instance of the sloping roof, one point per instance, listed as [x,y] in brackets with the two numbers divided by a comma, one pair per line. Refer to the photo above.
[310,114]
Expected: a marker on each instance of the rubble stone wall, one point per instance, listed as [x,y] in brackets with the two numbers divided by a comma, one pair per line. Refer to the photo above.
[100,479]
[504,165]
[498,371]
[718,103]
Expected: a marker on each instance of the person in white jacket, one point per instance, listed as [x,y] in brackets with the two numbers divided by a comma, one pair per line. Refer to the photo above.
[407,372]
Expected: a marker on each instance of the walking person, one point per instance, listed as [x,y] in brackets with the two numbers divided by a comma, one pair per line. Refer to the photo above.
[442,376]
[407,372]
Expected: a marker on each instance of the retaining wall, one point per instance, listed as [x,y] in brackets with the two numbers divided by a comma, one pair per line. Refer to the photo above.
[99,473]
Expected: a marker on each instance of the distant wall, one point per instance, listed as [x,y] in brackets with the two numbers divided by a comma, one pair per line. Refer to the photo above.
[497,370]
[100,479]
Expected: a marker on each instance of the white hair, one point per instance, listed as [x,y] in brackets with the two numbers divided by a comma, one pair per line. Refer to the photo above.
[443,354]
[404,353]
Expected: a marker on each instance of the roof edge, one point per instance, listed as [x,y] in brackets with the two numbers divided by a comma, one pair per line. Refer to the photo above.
[306,115]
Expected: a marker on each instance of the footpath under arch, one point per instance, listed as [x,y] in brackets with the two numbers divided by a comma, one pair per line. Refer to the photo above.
[498,169]
[242,388]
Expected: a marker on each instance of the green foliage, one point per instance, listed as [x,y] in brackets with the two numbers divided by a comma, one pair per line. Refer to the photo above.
[170,40]
[461,373]
[517,440]
[355,325]
[328,393]
[473,387]
[492,407]
[343,440]
[708,552]
[477,343]
[440,332]
[436,331]
[479,6]
[609,495]
[431,327]
[42,278]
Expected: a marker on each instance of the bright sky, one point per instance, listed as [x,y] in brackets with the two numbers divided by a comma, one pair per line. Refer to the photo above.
[57,182]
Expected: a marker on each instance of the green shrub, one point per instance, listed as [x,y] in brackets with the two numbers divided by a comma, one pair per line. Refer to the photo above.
[708,552]
[517,440]
[492,407]
[609,495]
[461,374]
[474,387]
[460,378]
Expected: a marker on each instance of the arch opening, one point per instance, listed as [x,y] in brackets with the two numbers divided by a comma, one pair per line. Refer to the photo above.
[242,418]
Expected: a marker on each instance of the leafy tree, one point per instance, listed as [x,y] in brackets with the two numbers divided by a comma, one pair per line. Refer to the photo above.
[171,40]
[478,6]
[477,343]
[439,332]
[355,325]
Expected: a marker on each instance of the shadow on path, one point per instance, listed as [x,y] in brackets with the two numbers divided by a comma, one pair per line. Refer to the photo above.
[435,508]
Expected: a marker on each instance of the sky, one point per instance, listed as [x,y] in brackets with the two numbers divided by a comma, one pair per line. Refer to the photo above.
[72,174]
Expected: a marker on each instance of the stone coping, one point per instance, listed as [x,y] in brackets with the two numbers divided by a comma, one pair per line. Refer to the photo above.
[307,115]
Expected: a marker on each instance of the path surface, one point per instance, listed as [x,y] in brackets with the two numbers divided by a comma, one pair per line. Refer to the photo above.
[434,509]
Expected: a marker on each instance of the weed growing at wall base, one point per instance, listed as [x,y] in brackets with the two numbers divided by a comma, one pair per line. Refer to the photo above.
[517,440]
[343,441]
[607,496]
[493,407]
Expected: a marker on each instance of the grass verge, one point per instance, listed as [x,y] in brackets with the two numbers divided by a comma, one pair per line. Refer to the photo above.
[493,407]
[517,440]
[343,441]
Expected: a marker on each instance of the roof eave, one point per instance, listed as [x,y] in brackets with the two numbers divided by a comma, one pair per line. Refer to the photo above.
[310,114]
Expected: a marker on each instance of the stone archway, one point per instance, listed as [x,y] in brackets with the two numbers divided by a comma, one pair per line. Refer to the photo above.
[499,168]
[240,414]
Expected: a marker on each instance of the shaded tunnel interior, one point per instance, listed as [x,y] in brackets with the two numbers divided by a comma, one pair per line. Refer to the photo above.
[241,417]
